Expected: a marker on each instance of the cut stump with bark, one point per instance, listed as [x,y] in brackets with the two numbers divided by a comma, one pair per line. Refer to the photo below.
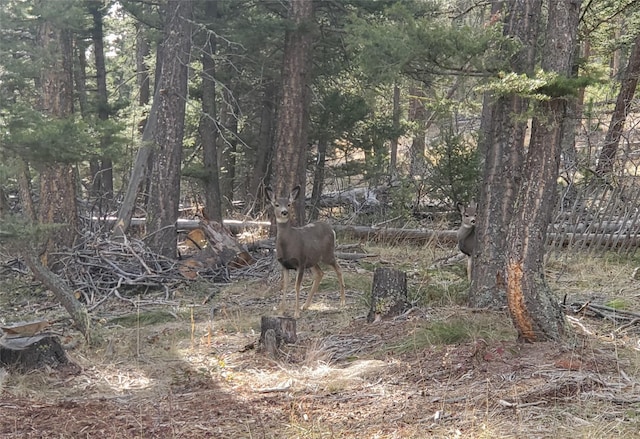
[388,294]
[275,331]
[28,353]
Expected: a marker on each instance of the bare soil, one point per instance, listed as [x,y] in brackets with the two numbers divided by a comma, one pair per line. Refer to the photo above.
[439,371]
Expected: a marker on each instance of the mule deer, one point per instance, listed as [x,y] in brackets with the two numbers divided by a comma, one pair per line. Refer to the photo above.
[467,232]
[299,248]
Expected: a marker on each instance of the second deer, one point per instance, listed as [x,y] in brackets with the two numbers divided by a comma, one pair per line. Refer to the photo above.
[467,232]
[299,248]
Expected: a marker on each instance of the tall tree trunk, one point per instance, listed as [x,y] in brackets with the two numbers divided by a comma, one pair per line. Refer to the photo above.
[533,307]
[57,180]
[228,148]
[142,69]
[393,154]
[570,128]
[318,178]
[503,145]
[293,115]
[265,142]
[105,174]
[417,115]
[164,193]
[620,112]
[4,204]
[208,127]
[24,189]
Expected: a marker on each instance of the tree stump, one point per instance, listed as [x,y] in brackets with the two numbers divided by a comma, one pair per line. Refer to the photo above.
[388,294]
[27,353]
[275,331]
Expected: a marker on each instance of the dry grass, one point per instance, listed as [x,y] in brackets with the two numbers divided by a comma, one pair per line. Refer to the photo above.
[192,371]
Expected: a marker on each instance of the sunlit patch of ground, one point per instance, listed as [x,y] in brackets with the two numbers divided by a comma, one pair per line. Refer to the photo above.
[442,371]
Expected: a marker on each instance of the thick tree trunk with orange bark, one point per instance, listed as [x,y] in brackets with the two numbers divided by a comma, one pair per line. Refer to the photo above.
[534,309]
[504,128]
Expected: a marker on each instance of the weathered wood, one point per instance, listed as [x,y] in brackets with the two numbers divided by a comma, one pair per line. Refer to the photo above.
[388,294]
[224,245]
[276,331]
[27,353]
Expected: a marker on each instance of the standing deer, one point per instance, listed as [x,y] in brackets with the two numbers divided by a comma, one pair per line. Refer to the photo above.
[299,248]
[467,232]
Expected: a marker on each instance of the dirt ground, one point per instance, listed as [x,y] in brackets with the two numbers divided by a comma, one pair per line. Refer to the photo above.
[182,369]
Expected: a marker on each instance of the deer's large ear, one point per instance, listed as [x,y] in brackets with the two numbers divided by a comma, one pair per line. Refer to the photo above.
[294,193]
[460,207]
[269,193]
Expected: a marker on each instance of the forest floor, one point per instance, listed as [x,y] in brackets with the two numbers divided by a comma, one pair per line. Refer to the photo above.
[184,369]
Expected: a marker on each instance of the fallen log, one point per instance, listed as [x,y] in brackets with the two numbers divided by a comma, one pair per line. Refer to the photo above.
[422,236]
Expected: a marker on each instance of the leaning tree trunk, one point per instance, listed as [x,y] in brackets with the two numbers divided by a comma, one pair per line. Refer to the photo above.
[503,145]
[148,125]
[62,292]
[208,128]
[164,192]
[293,115]
[620,112]
[533,307]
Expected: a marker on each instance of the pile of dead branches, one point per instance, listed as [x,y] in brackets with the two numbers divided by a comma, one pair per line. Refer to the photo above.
[100,267]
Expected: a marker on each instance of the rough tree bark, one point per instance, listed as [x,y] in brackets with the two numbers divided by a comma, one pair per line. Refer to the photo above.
[228,144]
[208,128]
[164,191]
[318,179]
[393,150]
[293,115]
[388,294]
[57,180]
[417,115]
[620,112]
[265,139]
[103,176]
[534,309]
[503,145]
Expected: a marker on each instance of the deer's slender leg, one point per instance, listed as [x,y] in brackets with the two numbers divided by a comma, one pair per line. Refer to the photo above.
[285,287]
[338,270]
[317,277]
[469,265]
[298,285]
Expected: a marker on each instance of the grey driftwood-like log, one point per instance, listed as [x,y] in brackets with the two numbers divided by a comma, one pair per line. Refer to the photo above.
[388,294]
[28,353]
[276,331]
[559,234]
